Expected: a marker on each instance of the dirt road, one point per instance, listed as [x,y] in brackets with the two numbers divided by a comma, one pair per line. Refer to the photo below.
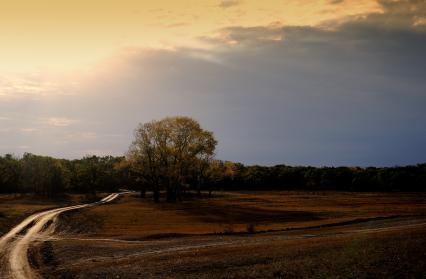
[15,244]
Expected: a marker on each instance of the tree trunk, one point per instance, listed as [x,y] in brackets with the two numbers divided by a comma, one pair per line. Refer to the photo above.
[156,195]
[143,193]
[171,196]
[199,182]
[171,193]
[179,193]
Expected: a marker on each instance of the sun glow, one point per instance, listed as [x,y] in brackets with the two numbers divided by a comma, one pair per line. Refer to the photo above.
[45,35]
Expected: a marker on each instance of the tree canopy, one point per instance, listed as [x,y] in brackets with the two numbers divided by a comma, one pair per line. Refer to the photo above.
[173,153]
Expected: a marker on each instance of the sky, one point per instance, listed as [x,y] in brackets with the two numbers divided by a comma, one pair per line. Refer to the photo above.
[324,83]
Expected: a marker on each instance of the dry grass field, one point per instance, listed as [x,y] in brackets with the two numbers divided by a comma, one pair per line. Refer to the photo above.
[132,218]
[388,254]
[242,235]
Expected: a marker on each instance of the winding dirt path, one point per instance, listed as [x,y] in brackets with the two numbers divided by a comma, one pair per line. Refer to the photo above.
[40,226]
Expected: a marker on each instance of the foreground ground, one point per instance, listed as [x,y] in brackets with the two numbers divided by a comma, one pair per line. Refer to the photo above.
[15,245]
[242,235]
[350,252]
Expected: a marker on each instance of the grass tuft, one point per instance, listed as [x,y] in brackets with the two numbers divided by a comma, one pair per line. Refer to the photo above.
[228,230]
[251,229]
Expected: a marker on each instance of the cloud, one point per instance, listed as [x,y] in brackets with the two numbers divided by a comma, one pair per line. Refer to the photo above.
[228,3]
[5,130]
[16,86]
[396,15]
[29,130]
[24,147]
[177,24]
[34,86]
[348,95]
[334,2]
[81,136]
[420,21]
[245,35]
[59,121]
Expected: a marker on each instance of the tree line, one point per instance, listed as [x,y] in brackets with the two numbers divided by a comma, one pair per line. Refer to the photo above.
[47,176]
[175,156]
[374,179]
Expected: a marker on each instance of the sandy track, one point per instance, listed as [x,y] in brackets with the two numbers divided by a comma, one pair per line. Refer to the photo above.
[15,244]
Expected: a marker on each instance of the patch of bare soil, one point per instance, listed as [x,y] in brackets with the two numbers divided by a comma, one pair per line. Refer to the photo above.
[41,255]
[79,222]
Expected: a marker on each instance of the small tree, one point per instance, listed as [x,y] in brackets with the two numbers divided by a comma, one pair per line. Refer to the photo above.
[168,154]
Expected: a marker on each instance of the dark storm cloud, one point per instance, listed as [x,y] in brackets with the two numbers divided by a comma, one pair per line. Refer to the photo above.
[351,95]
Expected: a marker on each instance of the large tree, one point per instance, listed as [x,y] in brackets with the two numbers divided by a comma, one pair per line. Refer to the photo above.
[168,154]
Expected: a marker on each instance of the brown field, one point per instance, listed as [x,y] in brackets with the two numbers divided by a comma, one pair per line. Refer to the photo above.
[242,235]
[388,254]
[132,218]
